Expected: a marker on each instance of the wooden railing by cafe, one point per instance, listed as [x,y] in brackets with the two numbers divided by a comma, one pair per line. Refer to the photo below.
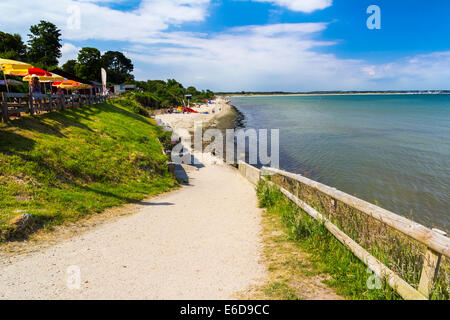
[15,104]
[435,242]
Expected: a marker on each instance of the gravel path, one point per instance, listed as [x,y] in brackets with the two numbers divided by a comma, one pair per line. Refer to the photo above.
[200,242]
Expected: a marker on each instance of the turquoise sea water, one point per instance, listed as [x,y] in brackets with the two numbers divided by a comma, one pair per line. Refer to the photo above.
[392,150]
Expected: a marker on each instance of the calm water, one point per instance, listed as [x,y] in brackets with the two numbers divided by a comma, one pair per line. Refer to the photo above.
[390,150]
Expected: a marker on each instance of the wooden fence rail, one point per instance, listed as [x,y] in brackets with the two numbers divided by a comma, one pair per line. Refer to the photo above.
[14,104]
[436,241]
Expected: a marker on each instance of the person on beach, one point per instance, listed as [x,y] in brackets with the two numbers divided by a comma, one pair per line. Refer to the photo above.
[36,92]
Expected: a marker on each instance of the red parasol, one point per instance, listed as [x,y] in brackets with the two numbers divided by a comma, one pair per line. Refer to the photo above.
[38,72]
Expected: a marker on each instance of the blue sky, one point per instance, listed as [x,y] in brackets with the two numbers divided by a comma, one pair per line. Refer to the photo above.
[290,45]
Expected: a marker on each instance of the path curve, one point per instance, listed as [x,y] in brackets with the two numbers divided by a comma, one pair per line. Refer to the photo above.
[200,242]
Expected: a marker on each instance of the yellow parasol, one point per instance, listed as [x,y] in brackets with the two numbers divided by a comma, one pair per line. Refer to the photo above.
[15,68]
[52,78]
[69,84]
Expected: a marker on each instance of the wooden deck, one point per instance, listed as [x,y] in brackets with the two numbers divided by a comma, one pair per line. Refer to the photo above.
[17,104]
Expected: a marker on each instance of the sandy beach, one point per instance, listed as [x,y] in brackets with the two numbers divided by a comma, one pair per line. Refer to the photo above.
[217,110]
[221,115]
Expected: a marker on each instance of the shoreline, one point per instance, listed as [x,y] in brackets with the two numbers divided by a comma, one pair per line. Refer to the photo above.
[219,111]
[327,94]
[226,116]
[398,202]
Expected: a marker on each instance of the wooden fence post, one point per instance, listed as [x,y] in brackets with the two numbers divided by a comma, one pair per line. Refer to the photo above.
[30,104]
[48,99]
[61,102]
[430,269]
[5,116]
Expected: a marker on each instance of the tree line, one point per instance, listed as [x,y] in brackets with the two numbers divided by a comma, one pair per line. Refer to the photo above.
[43,50]
[168,93]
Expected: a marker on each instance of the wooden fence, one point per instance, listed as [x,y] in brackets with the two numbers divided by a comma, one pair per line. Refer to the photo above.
[436,241]
[15,104]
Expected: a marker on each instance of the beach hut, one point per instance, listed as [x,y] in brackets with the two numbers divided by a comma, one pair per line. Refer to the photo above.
[94,86]
[124,88]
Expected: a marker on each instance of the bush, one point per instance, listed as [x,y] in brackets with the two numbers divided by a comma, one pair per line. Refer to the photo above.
[147,100]
[133,106]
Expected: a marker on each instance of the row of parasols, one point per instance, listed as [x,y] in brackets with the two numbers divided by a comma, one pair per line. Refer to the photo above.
[28,72]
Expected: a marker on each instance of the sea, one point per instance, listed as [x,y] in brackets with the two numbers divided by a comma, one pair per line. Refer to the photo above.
[391,150]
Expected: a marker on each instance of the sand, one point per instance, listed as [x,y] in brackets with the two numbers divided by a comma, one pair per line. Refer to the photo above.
[199,242]
[186,121]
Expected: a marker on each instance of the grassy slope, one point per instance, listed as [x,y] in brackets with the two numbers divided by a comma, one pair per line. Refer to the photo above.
[64,165]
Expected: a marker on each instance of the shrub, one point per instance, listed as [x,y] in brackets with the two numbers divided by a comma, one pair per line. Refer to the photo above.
[133,106]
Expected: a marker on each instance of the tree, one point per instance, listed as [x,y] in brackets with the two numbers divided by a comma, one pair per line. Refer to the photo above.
[172,83]
[118,67]
[12,46]
[171,94]
[69,66]
[191,90]
[44,44]
[89,64]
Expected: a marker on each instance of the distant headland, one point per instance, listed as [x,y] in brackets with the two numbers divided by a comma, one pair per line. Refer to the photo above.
[316,93]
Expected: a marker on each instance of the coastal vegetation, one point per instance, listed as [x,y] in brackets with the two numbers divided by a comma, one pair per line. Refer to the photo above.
[62,166]
[349,276]
[170,93]
[156,94]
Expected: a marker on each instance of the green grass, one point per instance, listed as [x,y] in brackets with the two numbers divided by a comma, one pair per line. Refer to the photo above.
[280,290]
[65,165]
[349,275]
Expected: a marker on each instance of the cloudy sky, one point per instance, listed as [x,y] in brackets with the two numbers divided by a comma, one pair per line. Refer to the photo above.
[265,45]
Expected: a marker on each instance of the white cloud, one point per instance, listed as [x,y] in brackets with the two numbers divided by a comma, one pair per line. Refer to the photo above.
[280,28]
[301,5]
[274,57]
[278,57]
[425,71]
[99,21]
[69,52]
